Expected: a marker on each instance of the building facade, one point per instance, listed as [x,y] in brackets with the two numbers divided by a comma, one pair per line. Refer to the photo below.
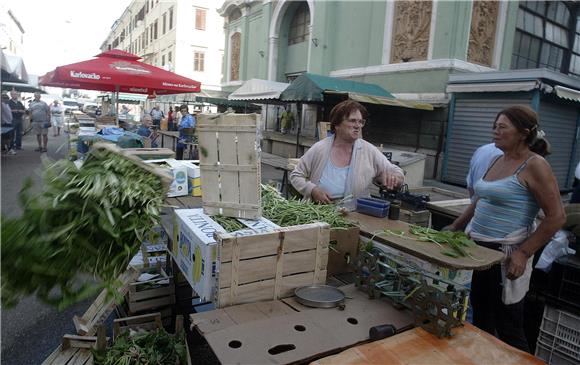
[410,48]
[11,32]
[185,37]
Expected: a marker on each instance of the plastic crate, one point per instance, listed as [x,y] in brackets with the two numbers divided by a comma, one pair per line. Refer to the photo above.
[375,207]
[564,283]
[559,338]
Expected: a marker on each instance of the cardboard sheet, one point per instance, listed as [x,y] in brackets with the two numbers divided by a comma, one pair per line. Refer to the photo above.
[469,346]
[282,337]
[427,251]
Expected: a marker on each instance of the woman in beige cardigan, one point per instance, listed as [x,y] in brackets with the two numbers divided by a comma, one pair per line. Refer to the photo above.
[343,164]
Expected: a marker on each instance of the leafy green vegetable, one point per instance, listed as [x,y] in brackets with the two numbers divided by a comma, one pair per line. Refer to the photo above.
[294,212]
[154,347]
[228,223]
[85,221]
[453,244]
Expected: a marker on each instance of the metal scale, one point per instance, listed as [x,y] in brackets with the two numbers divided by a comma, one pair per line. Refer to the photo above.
[438,304]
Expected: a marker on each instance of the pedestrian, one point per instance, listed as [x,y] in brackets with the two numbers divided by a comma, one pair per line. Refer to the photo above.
[170,125]
[177,118]
[40,116]
[287,119]
[18,111]
[146,131]
[480,161]
[509,196]
[156,115]
[56,117]
[8,140]
[186,131]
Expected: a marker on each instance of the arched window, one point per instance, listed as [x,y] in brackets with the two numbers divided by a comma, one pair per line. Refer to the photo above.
[300,25]
[235,14]
[235,45]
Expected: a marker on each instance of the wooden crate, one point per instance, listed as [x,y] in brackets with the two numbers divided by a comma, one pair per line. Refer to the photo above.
[103,306]
[419,218]
[151,294]
[343,249]
[230,164]
[271,265]
[148,322]
[77,349]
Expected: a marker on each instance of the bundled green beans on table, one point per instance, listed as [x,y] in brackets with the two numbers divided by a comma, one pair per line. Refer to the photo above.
[294,212]
[85,221]
[228,223]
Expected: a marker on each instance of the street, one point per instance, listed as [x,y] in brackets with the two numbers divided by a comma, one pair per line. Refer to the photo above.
[32,329]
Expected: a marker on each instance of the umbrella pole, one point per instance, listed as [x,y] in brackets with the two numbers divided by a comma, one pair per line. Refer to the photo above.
[117,103]
[299,113]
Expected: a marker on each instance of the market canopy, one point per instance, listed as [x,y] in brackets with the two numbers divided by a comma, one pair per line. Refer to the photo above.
[21,87]
[311,88]
[117,70]
[13,69]
[258,89]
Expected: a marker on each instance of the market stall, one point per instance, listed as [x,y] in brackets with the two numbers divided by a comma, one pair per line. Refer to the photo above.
[241,260]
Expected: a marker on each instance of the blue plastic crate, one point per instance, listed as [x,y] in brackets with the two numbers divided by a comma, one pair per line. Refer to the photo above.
[374,207]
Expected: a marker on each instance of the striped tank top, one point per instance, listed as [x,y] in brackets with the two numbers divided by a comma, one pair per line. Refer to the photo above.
[504,205]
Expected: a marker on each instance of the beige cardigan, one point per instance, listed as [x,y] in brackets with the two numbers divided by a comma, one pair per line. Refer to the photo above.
[367,161]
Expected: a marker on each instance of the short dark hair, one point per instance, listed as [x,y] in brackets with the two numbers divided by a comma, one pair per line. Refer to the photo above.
[343,109]
[184,106]
[525,119]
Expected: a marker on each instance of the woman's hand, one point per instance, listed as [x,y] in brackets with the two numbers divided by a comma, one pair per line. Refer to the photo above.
[516,264]
[391,181]
[320,195]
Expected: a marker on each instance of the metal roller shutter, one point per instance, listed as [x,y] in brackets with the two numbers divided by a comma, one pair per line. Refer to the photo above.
[471,127]
[559,123]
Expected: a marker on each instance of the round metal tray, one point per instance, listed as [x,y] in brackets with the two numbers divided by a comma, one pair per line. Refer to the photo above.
[319,296]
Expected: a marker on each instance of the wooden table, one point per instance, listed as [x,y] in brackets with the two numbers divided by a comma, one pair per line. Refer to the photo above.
[469,346]
[279,163]
[427,251]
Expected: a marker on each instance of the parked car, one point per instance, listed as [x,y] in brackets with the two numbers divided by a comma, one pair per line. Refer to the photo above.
[91,109]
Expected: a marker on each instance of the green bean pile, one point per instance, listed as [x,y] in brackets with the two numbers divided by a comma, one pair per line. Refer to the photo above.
[294,212]
[228,223]
[85,221]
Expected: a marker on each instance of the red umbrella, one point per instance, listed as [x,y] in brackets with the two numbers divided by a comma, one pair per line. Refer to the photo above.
[120,71]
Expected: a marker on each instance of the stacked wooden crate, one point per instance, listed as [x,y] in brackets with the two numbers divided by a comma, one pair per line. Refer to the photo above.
[156,294]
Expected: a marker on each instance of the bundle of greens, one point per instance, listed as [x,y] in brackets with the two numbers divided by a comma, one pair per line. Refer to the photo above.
[294,212]
[228,223]
[154,347]
[85,221]
[453,244]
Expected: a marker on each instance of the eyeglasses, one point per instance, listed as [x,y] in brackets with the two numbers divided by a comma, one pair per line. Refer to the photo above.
[362,122]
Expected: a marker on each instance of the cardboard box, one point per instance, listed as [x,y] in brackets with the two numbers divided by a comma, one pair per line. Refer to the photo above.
[150,153]
[179,184]
[197,250]
[193,176]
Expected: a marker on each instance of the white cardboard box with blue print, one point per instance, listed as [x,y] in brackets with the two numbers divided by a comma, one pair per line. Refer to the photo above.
[197,250]
[179,171]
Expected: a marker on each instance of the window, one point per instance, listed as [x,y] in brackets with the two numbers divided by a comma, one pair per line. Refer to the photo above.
[170,18]
[163,60]
[235,45]
[200,19]
[155,26]
[164,22]
[546,34]
[169,57]
[299,28]
[198,61]
[235,15]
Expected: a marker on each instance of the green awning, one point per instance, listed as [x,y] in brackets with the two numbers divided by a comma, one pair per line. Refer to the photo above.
[223,101]
[370,99]
[311,88]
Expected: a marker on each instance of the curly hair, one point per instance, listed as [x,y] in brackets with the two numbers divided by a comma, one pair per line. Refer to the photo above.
[342,110]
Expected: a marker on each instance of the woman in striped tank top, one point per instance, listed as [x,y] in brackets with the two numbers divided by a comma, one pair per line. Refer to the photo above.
[509,196]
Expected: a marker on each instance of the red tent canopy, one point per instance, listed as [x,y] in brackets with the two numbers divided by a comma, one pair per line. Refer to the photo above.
[117,70]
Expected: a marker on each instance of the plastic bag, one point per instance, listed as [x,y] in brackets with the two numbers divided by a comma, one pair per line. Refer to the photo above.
[555,249]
